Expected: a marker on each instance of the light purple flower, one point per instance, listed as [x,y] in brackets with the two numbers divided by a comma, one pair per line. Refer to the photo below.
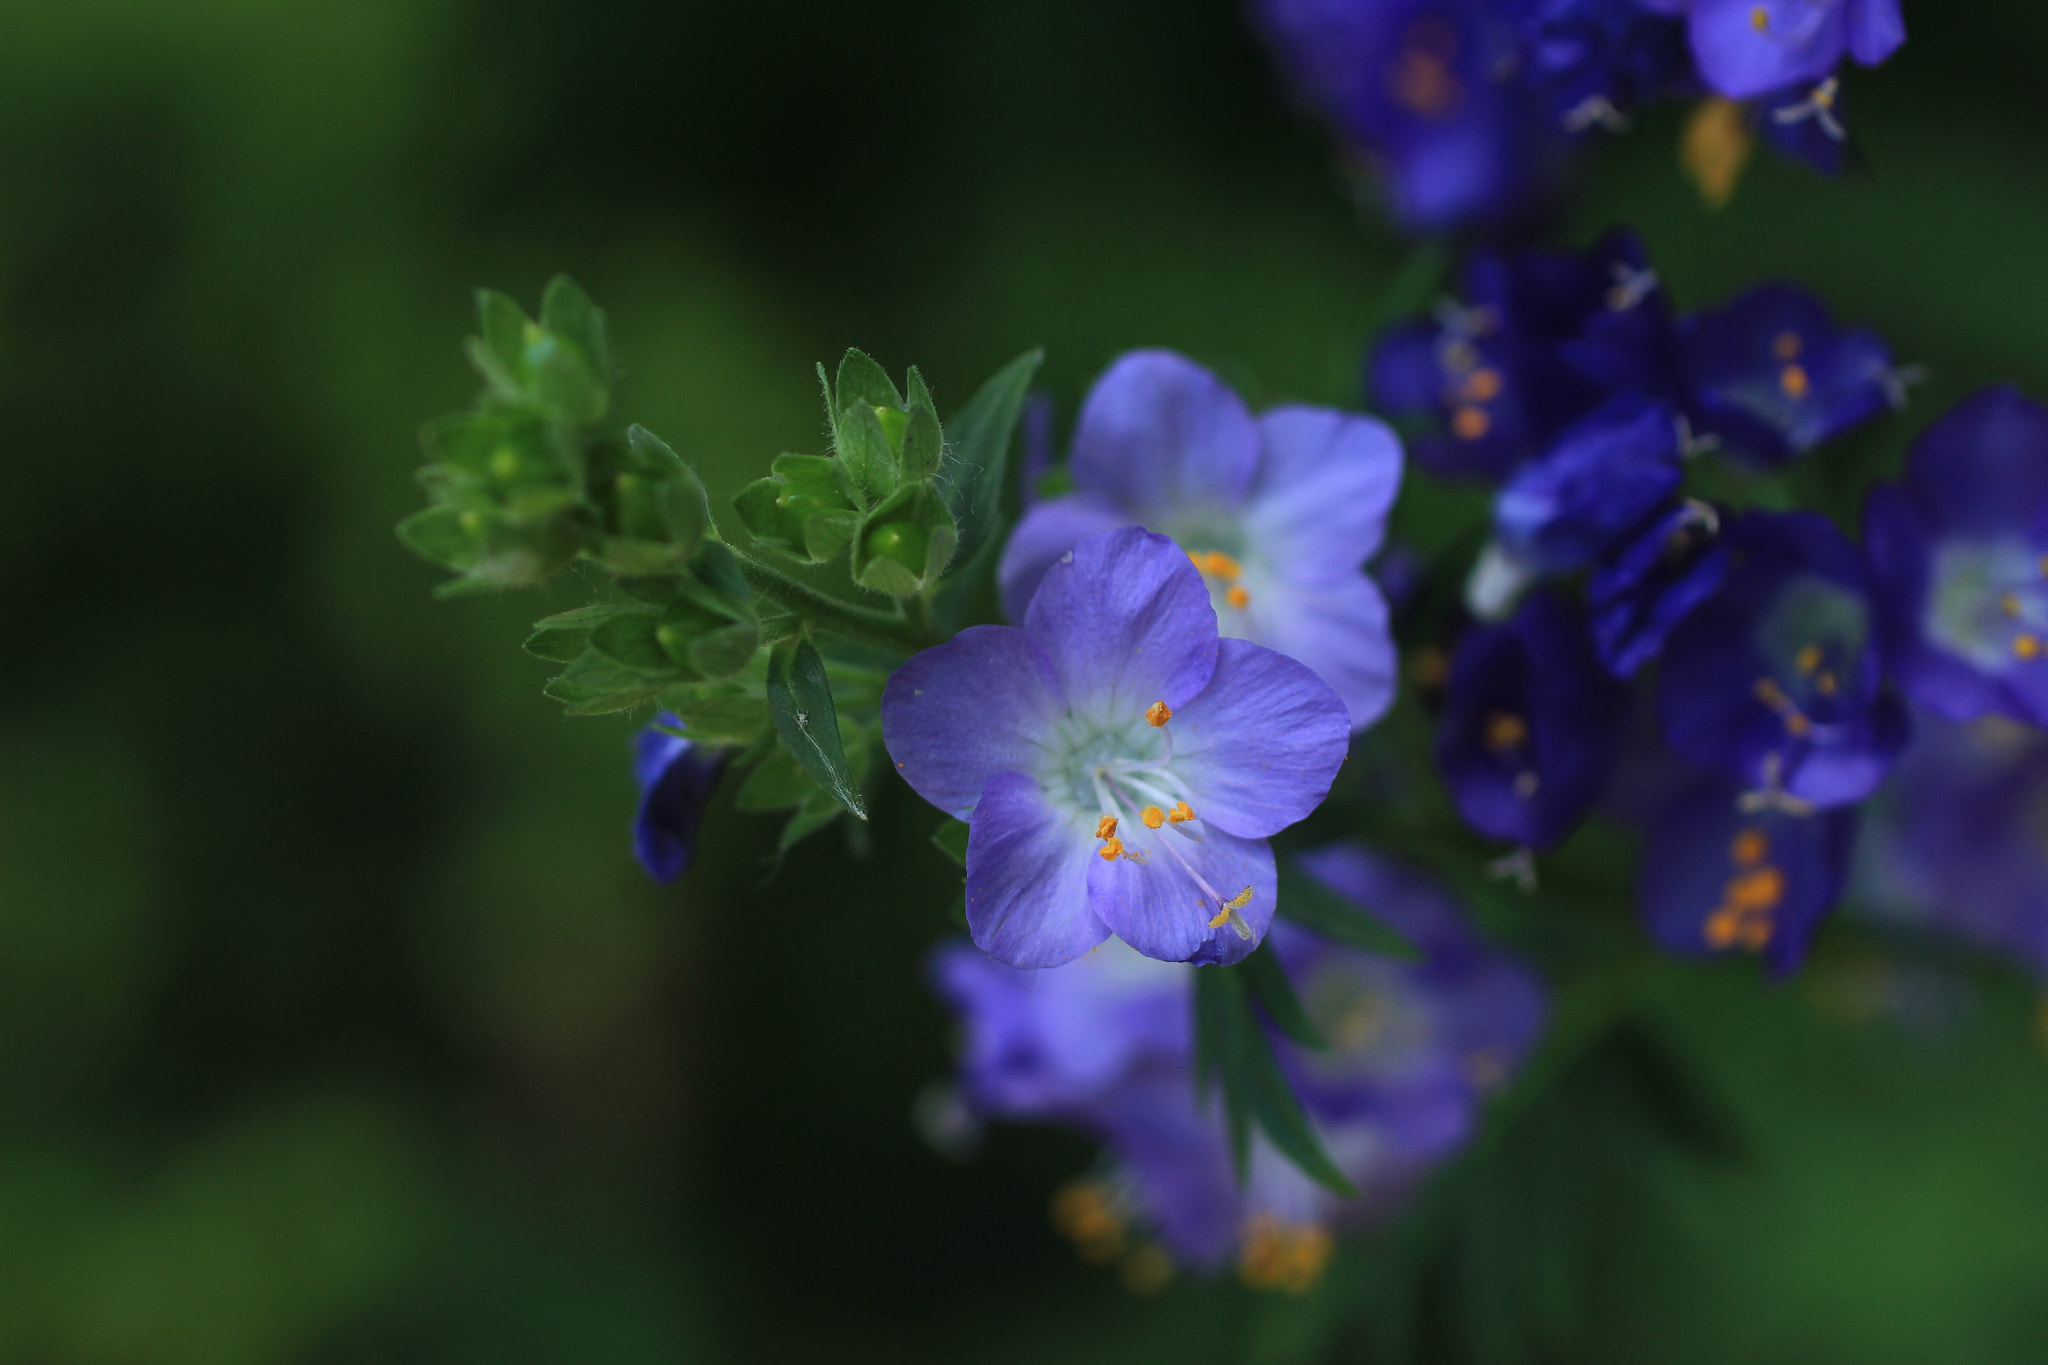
[1119,766]
[1746,48]
[1280,511]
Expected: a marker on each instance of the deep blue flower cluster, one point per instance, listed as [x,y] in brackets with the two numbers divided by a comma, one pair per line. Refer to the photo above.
[1467,112]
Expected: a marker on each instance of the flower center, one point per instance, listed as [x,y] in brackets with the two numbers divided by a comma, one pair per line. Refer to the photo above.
[1747,914]
[1988,603]
[1223,576]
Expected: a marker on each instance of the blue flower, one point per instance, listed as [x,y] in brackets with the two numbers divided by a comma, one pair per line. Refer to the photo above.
[1104,1046]
[1807,123]
[1531,725]
[1537,340]
[1745,48]
[1119,766]
[1279,512]
[1641,594]
[1776,679]
[1954,846]
[1959,554]
[1772,376]
[676,779]
[1606,476]
[1595,62]
[1723,872]
[1425,93]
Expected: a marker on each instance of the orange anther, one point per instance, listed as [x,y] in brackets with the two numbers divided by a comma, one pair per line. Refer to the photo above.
[1238,597]
[1797,725]
[1222,918]
[1222,565]
[1469,424]
[2009,603]
[1759,889]
[1785,346]
[1809,659]
[1792,379]
[1152,816]
[1760,19]
[1112,850]
[1105,828]
[1181,813]
[2026,646]
[1750,848]
[1158,713]
[1505,731]
[1482,386]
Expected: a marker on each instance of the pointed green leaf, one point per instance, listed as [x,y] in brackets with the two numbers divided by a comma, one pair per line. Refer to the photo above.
[683,497]
[1267,980]
[563,636]
[800,701]
[437,534]
[568,312]
[497,353]
[981,434]
[1229,1037]
[628,640]
[866,453]
[593,685]
[863,382]
[923,444]
[737,718]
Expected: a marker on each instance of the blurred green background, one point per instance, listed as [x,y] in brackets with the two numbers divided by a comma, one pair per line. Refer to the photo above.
[336,1022]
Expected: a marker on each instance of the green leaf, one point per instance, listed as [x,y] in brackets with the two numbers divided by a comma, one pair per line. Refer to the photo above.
[951,840]
[800,701]
[718,569]
[628,640]
[1314,906]
[593,685]
[1268,983]
[776,783]
[437,534]
[863,382]
[923,444]
[865,450]
[687,505]
[723,652]
[568,312]
[497,353]
[1230,1039]
[563,636]
[981,434]
[737,718]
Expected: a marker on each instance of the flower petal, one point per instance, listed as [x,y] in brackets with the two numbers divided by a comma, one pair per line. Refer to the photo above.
[1153,902]
[961,712]
[1325,483]
[1046,533]
[1158,430]
[1028,897]
[1339,631]
[1127,622]
[1260,746]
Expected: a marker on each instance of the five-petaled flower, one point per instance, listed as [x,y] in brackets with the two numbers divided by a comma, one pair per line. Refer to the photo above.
[1278,511]
[1120,766]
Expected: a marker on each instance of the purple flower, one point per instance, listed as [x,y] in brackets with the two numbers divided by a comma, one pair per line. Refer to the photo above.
[1639,596]
[1536,341]
[1595,62]
[1279,512]
[1425,93]
[1104,1045]
[1954,847]
[1776,679]
[1807,123]
[1772,376]
[1723,872]
[676,779]
[1120,766]
[1959,554]
[1745,48]
[1531,725]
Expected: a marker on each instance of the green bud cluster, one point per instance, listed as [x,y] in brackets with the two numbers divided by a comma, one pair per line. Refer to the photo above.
[785,668]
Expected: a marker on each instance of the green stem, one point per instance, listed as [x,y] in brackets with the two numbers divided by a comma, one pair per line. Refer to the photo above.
[886,629]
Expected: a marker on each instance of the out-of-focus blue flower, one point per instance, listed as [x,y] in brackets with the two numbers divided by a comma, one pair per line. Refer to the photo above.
[1278,511]
[1531,724]
[1776,680]
[1746,48]
[1119,766]
[1807,123]
[1428,94]
[1723,872]
[1638,597]
[676,779]
[1772,376]
[1595,62]
[1537,340]
[1957,842]
[1606,476]
[1104,1045]
[1959,554]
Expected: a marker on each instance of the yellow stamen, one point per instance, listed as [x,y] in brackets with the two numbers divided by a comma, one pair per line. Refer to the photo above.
[1786,346]
[1240,900]
[1750,848]
[1181,813]
[1286,1256]
[1238,597]
[1797,725]
[1105,828]
[1758,889]
[1505,731]
[1826,684]
[1792,379]
[1482,386]
[1112,850]
[1158,713]
[1219,919]
[1221,564]
[1084,1211]
[1469,424]
[1809,659]
[2009,603]
[2026,646]
[1760,19]
[1152,816]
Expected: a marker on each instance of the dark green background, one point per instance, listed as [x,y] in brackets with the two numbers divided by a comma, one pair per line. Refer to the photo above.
[336,1023]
